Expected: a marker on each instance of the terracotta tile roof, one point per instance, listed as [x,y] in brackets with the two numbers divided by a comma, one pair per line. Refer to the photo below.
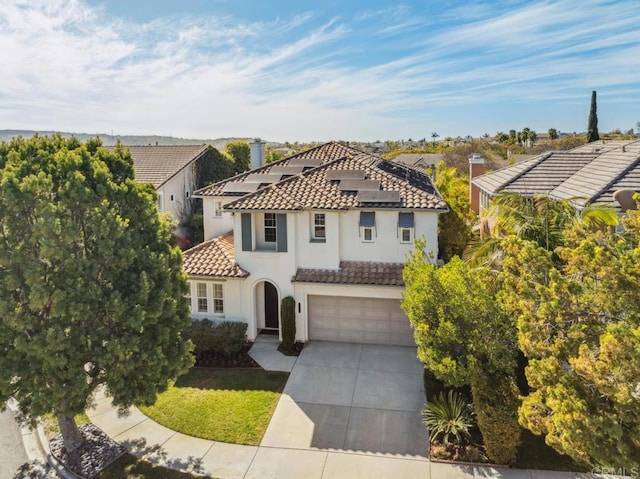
[215,257]
[354,272]
[589,174]
[312,189]
[326,153]
[157,164]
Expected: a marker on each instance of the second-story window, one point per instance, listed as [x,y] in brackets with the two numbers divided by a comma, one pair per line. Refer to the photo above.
[367,226]
[217,209]
[319,227]
[270,234]
[405,227]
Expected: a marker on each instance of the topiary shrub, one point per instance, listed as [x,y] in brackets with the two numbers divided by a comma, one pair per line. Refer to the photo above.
[496,402]
[288,323]
[225,338]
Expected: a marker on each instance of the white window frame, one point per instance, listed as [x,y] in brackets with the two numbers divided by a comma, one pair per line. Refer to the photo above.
[202,301]
[372,232]
[218,298]
[316,225]
[187,194]
[188,296]
[217,209]
[160,201]
[402,232]
[172,198]
[272,218]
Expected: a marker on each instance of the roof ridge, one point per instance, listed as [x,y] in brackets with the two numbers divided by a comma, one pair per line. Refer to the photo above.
[622,173]
[275,163]
[224,238]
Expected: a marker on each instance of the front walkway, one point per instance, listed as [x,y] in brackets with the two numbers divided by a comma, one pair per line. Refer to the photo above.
[313,453]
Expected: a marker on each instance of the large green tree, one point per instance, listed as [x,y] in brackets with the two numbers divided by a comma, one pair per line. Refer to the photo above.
[465,338]
[240,152]
[454,227]
[579,325]
[91,290]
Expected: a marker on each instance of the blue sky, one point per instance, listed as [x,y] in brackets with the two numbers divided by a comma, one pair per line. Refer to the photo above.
[301,70]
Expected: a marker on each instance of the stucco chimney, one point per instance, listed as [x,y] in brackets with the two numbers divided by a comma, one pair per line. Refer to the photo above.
[476,168]
[257,153]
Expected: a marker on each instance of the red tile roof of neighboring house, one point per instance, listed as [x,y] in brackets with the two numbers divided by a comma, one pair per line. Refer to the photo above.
[354,272]
[215,257]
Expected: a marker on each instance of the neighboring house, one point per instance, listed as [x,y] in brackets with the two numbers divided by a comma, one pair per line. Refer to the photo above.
[588,174]
[332,227]
[171,170]
[419,160]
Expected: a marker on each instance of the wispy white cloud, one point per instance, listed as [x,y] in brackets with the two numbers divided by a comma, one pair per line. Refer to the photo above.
[380,73]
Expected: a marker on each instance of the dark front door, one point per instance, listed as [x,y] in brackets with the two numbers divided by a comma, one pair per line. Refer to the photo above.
[270,306]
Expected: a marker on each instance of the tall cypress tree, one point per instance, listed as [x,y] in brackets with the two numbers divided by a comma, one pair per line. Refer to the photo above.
[592,129]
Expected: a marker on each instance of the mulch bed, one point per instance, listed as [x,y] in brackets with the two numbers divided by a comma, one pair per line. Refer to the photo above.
[297,348]
[240,360]
[94,456]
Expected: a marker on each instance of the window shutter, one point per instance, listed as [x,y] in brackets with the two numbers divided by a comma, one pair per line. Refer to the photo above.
[281,233]
[246,231]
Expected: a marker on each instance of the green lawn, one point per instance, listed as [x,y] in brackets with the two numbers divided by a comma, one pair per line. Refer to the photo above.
[220,404]
[128,467]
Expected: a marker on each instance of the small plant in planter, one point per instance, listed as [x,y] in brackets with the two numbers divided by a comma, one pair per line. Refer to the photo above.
[450,420]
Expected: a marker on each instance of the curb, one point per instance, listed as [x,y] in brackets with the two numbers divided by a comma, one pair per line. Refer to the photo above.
[36,445]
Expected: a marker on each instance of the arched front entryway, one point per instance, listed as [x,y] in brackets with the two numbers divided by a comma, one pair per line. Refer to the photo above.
[267,307]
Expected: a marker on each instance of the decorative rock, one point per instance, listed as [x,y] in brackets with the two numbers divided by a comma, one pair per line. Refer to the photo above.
[97,452]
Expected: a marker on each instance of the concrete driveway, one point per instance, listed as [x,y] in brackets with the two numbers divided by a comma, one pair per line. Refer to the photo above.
[352,397]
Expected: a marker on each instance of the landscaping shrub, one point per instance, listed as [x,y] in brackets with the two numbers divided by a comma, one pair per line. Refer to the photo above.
[288,323]
[495,400]
[225,338]
[450,419]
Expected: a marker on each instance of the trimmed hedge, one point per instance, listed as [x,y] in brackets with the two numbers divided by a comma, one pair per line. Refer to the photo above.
[224,338]
[496,402]
[288,323]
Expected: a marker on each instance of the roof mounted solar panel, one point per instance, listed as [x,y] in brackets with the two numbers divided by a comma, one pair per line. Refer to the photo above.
[262,178]
[345,175]
[285,170]
[309,162]
[379,196]
[359,185]
[240,187]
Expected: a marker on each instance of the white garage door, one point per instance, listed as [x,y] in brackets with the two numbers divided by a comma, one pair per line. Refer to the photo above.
[359,320]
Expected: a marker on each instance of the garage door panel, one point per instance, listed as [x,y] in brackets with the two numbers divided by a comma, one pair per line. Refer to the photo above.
[358,320]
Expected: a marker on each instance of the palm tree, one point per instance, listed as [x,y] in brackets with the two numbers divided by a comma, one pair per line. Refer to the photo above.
[434,135]
[449,419]
[541,219]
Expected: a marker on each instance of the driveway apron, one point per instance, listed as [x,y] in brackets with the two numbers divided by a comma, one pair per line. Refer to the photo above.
[355,398]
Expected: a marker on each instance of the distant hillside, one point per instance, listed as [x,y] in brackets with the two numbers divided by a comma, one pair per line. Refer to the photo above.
[130,140]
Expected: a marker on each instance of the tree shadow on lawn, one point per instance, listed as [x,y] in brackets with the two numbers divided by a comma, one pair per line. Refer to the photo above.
[233,379]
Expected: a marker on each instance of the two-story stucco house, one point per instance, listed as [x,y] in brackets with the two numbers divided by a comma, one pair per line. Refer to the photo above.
[332,227]
[171,170]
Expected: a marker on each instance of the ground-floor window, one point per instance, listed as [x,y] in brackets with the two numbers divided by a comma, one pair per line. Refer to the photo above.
[218,299]
[203,303]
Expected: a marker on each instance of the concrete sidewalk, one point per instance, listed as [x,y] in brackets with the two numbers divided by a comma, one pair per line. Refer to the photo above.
[159,445]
